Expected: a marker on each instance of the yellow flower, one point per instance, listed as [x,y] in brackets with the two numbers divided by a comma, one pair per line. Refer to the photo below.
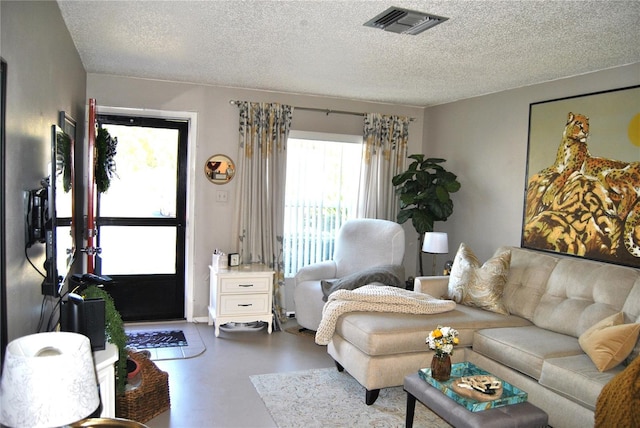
[442,340]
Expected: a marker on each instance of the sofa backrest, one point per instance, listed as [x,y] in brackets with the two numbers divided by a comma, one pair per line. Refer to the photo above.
[365,242]
[527,280]
[580,293]
[631,311]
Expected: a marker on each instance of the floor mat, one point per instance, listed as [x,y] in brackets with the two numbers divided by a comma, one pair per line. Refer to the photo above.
[291,326]
[166,346]
[156,339]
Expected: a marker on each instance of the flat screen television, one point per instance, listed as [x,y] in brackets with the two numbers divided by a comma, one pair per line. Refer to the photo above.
[59,236]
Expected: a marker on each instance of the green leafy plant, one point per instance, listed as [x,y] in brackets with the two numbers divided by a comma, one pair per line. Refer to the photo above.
[114,329]
[424,190]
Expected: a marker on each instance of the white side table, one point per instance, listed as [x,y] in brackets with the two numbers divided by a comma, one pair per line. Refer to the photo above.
[241,294]
[104,361]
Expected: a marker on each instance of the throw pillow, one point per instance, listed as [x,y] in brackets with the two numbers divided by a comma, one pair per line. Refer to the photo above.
[609,341]
[478,285]
[385,275]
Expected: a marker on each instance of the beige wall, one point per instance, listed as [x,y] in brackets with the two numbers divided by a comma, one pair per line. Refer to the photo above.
[218,133]
[44,76]
[484,140]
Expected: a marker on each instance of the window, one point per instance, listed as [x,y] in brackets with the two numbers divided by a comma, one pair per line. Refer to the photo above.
[323,171]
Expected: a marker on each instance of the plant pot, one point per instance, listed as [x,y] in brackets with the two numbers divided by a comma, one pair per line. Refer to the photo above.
[134,374]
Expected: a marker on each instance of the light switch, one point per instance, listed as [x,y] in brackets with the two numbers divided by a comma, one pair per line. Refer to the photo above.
[221,196]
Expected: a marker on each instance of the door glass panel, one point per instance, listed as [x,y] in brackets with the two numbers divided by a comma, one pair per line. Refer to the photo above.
[146,173]
[64,248]
[138,250]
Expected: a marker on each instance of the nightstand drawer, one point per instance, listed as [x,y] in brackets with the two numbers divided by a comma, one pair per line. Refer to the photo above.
[239,305]
[244,285]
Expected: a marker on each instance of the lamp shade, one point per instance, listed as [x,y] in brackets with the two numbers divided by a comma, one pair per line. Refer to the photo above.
[435,242]
[48,380]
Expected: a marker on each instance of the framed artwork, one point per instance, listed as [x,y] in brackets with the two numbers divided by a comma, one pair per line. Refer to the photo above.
[582,192]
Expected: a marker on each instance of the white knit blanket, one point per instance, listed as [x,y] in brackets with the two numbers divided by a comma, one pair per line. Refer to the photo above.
[376,298]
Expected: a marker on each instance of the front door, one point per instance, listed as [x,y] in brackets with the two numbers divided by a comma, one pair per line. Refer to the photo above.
[141,218]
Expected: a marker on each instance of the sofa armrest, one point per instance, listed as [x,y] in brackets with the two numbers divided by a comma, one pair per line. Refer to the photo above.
[435,286]
[316,271]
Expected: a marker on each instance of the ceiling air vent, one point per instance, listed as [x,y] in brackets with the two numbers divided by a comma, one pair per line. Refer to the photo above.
[404,21]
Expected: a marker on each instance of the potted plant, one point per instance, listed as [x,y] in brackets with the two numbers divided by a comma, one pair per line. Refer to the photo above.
[114,329]
[424,190]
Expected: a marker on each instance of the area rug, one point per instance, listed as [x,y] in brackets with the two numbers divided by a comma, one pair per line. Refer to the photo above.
[156,339]
[329,398]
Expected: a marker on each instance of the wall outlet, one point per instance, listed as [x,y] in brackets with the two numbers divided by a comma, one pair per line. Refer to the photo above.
[222,196]
[290,314]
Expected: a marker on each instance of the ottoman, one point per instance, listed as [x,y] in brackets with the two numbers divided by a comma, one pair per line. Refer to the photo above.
[513,416]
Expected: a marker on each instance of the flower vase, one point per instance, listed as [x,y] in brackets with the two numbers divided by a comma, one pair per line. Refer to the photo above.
[441,367]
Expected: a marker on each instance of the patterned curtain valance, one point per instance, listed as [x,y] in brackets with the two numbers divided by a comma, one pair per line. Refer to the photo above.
[263,125]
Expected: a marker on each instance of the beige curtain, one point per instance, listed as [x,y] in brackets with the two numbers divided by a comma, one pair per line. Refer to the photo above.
[384,156]
[261,173]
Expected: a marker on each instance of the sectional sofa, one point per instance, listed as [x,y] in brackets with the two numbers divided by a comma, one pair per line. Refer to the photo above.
[557,307]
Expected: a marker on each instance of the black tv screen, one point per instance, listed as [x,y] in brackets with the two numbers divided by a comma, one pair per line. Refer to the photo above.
[58,224]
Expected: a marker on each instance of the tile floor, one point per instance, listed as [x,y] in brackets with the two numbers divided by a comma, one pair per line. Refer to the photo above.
[213,389]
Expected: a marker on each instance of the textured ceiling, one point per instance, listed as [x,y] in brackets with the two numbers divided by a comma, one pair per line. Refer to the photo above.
[322,47]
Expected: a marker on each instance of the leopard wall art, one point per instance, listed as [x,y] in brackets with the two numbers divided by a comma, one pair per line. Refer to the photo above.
[585,205]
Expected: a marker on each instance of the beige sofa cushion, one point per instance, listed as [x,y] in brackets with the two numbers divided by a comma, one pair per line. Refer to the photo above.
[376,333]
[609,341]
[631,310]
[581,292]
[524,348]
[576,378]
[527,280]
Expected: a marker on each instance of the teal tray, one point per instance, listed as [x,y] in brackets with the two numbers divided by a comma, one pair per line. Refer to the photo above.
[510,394]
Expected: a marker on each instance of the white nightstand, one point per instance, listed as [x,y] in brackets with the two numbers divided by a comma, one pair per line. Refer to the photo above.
[241,294]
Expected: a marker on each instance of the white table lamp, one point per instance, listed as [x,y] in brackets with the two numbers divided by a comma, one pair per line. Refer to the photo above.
[435,243]
[48,380]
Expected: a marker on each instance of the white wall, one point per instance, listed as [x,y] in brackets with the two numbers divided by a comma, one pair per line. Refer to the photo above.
[44,76]
[484,140]
[218,133]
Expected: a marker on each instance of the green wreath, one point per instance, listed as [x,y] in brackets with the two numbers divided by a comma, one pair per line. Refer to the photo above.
[63,159]
[105,166]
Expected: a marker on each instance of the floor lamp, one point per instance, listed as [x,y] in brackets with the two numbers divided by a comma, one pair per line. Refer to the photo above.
[435,243]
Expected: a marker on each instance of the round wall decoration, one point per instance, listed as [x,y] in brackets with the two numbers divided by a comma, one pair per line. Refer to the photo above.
[219,169]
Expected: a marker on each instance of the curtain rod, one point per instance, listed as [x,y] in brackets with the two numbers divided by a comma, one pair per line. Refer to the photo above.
[322,110]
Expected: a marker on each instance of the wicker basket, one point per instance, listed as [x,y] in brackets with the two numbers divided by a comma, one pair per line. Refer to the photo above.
[149,399]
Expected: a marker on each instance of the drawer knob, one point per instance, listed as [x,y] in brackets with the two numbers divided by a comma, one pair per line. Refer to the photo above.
[245,304]
[245,285]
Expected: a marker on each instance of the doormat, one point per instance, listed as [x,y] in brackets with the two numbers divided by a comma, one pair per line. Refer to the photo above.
[291,326]
[156,339]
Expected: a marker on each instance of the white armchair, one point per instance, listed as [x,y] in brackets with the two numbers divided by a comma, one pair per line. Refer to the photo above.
[360,244]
